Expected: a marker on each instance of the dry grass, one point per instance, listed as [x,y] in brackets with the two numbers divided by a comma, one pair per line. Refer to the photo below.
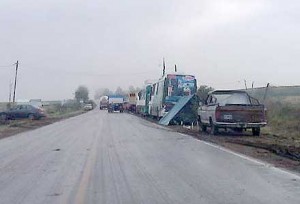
[284,120]
[3,106]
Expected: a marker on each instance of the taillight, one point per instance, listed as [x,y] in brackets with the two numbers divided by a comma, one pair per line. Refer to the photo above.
[265,115]
[218,114]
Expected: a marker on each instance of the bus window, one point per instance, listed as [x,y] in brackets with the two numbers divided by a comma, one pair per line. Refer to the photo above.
[153,89]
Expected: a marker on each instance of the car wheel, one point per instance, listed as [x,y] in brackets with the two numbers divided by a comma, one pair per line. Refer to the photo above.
[31,117]
[3,117]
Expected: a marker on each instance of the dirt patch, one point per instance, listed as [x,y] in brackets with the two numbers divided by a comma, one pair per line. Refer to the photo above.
[283,152]
[17,126]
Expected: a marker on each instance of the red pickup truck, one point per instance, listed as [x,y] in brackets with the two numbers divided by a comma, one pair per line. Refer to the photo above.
[231,109]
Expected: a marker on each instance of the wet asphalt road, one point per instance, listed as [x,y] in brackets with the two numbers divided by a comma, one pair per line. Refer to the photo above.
[119,158]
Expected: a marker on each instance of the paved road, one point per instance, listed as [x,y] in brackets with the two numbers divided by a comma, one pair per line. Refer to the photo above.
[119,158]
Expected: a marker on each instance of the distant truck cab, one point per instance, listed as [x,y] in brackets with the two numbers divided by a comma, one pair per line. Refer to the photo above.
[115,104]
[103,103]
[231,109]
[132,102]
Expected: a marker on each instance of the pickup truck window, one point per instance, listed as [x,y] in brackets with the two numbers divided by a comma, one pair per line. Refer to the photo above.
[211,100]
[208,101]
[232,98]
[21,107]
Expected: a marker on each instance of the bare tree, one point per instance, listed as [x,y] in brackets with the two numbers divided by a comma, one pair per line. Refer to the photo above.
[82,94]
[102,92]
[131,89]
[120,91]
[203,91]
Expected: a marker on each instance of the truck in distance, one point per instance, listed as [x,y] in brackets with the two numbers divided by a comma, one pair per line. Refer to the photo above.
[115,103]
[103,103]
[231,109]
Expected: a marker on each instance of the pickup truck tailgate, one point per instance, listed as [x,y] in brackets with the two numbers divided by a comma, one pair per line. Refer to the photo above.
[240,114]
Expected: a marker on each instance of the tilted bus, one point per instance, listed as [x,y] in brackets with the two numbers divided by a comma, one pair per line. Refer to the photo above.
[168,90]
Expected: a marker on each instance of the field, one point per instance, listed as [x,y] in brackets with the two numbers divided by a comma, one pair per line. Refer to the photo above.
[2,106]
[283,107]
[55,112]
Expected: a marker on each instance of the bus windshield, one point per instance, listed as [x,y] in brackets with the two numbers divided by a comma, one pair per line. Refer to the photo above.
[180,85]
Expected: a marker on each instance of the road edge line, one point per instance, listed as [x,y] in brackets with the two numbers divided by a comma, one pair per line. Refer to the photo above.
[246,157]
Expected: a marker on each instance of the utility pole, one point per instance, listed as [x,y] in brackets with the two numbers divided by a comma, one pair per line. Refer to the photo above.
[15,87]
[175,68]
[266,92]
[245,84]
[164,66]
[10,87]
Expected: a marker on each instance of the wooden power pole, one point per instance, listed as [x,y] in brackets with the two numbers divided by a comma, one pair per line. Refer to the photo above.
[15,87]
[10,87]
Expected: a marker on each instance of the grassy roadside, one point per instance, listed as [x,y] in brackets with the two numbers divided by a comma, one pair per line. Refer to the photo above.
[284,120]
[53,115]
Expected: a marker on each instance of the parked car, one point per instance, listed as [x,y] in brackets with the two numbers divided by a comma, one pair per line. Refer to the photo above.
[22,111]
[88,107]
[231,109]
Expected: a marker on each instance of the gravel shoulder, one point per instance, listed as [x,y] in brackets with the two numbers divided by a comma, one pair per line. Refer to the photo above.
[18,126]
[282,152]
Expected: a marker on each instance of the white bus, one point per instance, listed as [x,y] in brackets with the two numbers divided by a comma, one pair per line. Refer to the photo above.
[168,90]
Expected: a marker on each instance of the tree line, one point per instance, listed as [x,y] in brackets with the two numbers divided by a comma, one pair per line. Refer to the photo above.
[82,92]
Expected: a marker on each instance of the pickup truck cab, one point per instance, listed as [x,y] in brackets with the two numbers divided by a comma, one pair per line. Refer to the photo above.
[231,109]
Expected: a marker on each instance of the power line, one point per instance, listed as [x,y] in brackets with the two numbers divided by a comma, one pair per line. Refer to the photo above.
[108,74]
[8,65]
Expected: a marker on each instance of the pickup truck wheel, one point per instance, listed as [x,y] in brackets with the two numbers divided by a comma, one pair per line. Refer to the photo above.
[213,129]
[239,130]
[256,131]
[202,127]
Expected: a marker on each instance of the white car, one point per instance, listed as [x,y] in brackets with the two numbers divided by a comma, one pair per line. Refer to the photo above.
[88,107]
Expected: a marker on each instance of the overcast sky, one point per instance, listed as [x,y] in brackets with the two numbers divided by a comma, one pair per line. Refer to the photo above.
[61,44]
